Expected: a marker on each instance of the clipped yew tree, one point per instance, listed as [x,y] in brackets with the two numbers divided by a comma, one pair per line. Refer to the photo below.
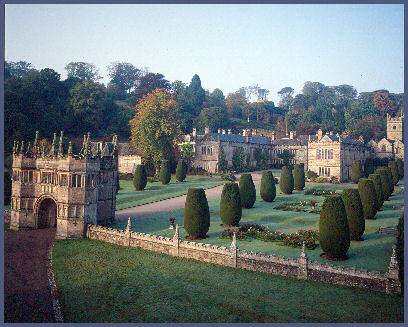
[196,214]
[286,180]
[400,165]
[355,215]
[165,172]
[385,183]
[376,178]
[230,204]
[368,197]
[181,170]
[356,171]
[268,187]
[247,191]
[394,171]
[334,233]
[390,181]
[299,177]
[140,178]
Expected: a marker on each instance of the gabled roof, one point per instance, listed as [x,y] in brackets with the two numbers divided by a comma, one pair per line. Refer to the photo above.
[234,138]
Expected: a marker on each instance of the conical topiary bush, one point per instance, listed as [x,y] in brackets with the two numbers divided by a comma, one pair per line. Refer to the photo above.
[356,171]
[196,214]
[140,178]
[181,170]
[286,180]
[230,204]
[376,178]
[368,197]
[385,183]
[247,191]
[268,187]
[394,171]
[165,172]
[334,234]
[400,165]
[299,177]
[389,176]
[355,214]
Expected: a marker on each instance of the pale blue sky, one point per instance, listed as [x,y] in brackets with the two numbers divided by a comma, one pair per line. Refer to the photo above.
[228,46]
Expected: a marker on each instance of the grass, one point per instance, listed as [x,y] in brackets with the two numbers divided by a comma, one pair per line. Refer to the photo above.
[372,254]
[101,282]
[127,196]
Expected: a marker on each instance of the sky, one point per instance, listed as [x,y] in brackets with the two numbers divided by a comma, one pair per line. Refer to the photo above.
[228,46]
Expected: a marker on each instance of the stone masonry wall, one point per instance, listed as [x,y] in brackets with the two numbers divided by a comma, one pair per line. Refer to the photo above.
[301,268]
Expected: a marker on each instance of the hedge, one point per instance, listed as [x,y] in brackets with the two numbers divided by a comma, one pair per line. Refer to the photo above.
[196,214]
[230,204]
[334,233]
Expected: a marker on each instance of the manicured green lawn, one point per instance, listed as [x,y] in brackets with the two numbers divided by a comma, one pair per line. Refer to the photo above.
[372,254]
[101,282]
[127,196]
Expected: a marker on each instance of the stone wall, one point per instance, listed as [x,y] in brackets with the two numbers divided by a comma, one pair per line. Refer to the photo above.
[301,268]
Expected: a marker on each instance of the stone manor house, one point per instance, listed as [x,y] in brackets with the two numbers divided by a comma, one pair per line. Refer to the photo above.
[54,188]
[328,155]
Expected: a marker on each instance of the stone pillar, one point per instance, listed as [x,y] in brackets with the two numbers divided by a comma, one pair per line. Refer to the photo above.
[303,263]
[176,241]
[234,251]
[393,284]
[128,231]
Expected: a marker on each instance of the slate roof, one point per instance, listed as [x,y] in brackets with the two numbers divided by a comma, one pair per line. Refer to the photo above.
[300,140]
[235,138]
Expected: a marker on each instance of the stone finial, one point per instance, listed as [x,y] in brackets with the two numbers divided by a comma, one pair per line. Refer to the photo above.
[36,148]
[21,148]
[53,145]
[129,225]
[176,236]
[43,150]
[28,151]
[233,245]
[60,149]
[15,147]
[70,149]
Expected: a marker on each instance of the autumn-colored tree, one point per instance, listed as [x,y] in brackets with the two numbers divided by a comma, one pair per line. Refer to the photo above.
[156,126]
[382,101]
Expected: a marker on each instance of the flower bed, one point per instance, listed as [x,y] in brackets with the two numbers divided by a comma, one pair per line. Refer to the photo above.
[301,206]
[320,192]
[249,232]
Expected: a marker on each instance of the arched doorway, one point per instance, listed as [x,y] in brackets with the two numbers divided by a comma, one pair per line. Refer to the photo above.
[47,214]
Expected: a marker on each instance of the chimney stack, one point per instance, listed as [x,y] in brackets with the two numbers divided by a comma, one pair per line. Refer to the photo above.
[219,131]
[273,136]
[319,134]
[292,134]
[229,131]
[194,132]
[206,130]
[223,131]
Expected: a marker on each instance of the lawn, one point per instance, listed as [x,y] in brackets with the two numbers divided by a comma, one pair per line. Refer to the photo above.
[372,254]
[127,196]
[101,282]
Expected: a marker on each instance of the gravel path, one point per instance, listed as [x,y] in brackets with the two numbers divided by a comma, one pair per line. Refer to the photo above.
[27,295]
[171,204]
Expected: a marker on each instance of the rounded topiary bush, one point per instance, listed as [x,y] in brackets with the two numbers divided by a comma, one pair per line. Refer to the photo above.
[165,172]
[181,170]
[400,165]
[368,197]
[230,204]
[394,171]
[140,178]
[268,187]
[196,214]
[385,183]
[299,177]
[334,233]
[286,180]
[376,178]
[356,172]
[355,214]
[247,191]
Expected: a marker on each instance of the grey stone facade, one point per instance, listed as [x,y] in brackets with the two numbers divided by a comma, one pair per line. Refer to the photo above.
[51,188]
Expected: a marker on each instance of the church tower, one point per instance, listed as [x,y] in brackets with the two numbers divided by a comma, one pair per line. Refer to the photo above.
[395,128]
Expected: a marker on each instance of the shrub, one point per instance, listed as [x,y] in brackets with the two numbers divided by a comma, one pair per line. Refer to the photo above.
[394,172]
[299,177]
[268,187]
[7,188]
[400,249]
[368,197]
[247,191]
[181,170]
[376,178]
[140,178]
[286,180]
[355,215]
[126,176]
[165,173]
[334,180]
[230,204]
[319,191]
[228,177]
[385,182]
[390,181]
[400,165]
[196,214]
[334,234]
[321,179]
[311,174]
[356,172]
